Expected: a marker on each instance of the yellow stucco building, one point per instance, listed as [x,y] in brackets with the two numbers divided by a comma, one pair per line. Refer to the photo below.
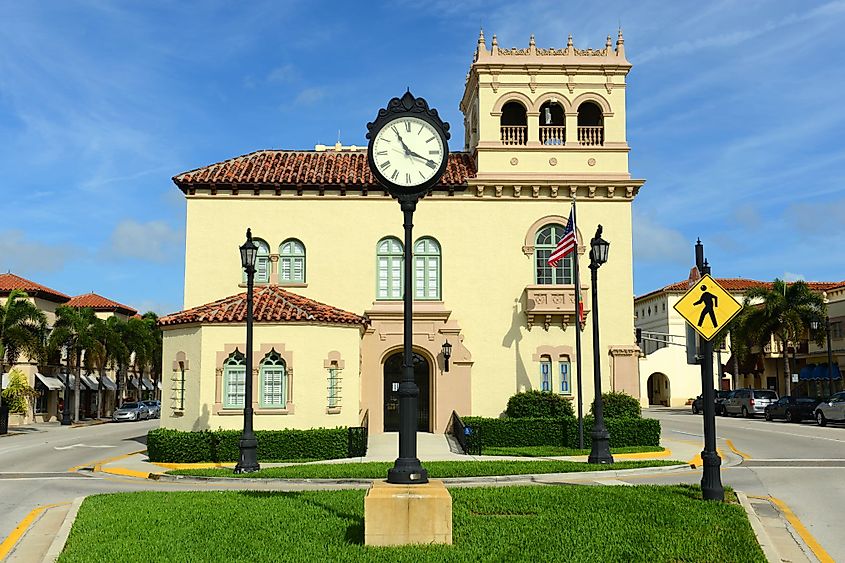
[542,126]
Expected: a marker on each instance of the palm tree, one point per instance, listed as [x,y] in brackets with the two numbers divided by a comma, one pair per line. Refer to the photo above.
[120,354]
[784,313]
[155,348]
[74,331]
[107,345]
[22,327]
[138,342]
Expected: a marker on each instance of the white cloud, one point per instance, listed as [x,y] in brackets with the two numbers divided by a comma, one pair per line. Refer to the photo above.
[310,96]
[23,256]
[654,242]
[155,241]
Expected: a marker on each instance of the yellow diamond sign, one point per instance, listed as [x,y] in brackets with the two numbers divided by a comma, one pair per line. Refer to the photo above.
[707,307]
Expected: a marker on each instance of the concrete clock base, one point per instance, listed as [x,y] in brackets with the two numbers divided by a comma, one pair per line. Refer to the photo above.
[407,514]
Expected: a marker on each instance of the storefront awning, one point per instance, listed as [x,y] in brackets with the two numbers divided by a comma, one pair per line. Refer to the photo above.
[89,381]
[146,384]
[815,372]
[108,383]
[49,382]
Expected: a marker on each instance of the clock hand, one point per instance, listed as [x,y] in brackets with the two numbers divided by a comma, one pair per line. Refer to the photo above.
[427,160]
[404,146]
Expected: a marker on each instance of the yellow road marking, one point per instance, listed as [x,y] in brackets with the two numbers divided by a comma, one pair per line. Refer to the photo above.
[644,455]
[125,472]
[698,462]
[743,455]
[201,465]
[24,525]
[805,534]
[98,464]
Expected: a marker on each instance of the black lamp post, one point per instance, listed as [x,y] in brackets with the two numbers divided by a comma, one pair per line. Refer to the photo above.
[600,452]
[248,445]
[816,325]
[447,353]
[66,421]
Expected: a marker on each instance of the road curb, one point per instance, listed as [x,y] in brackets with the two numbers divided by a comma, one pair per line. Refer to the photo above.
[60,540]
[760,533]
[455,481]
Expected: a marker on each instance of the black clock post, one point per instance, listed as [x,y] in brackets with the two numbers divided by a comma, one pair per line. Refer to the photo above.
[415,138]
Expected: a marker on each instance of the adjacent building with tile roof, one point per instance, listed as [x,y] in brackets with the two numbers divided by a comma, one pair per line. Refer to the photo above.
[541,127]
[666,376]
[101,304]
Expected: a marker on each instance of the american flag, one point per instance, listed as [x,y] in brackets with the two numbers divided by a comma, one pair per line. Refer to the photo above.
[566,245]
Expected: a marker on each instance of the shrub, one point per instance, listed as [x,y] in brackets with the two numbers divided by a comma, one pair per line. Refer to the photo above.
[563,431]
[175,446]
[19,393]
[538,404]
[619,405]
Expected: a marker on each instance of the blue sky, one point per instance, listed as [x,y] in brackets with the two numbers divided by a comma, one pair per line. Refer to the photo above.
[734,118]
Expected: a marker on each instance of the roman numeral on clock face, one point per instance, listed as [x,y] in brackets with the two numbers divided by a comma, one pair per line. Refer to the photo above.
[384,165]
[394,175]
[407,177]
[381,153]
[408,126]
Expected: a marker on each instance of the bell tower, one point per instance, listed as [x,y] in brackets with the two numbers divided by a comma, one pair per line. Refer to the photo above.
[552,113]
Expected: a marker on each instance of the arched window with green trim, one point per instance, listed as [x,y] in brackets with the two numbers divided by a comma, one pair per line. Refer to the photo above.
[234,381]
[389,268]
[273,381]
[292,262]
[426,269]
[546,241]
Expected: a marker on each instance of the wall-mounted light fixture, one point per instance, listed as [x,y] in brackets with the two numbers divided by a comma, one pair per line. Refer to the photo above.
[447,353]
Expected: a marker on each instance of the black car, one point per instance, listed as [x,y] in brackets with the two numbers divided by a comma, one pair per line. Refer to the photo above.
[791,408]
[718,397]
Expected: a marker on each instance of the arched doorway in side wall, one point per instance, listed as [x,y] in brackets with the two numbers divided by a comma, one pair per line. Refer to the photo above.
[659,389]
[392,377]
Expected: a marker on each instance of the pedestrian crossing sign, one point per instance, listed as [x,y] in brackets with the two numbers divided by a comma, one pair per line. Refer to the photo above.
[707,307]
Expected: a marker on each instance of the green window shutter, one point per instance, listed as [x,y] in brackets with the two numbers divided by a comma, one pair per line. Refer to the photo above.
[234,381]
[389,269]
[292,261]
[273,381]
[427,269]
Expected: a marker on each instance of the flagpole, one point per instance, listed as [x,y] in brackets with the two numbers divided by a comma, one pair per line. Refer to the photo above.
[578,330]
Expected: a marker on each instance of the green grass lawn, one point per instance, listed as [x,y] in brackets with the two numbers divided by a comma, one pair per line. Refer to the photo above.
[550,523]
[436,469]
[552,451]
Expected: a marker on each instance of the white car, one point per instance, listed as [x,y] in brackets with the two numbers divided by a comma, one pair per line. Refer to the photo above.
[833,410]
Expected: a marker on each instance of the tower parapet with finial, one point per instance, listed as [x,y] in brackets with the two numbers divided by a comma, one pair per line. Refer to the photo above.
[556,110]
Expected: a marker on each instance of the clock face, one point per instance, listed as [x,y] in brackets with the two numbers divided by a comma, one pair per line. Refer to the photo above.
[408,151]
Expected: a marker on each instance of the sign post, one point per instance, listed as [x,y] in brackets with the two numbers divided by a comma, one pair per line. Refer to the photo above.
[707,307]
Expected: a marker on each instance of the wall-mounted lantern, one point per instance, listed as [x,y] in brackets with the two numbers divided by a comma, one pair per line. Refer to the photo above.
[447,353]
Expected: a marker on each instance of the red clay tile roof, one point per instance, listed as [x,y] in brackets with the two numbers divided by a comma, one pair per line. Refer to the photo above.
[271,304]
[10,281]
[306,169]
[100,303]
[736,285]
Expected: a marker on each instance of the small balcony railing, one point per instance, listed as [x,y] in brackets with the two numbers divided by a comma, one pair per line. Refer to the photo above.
[590,136]
[514,134]
[552,134]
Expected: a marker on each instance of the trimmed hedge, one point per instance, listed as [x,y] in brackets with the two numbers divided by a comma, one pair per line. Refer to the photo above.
[175,446]
[563,431]
[618,404]
[538,404]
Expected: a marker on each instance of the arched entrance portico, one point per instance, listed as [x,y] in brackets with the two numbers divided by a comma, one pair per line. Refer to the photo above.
[392,378]
[659,390]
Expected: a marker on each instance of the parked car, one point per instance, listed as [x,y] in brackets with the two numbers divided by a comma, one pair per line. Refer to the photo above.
[831,410]
[154,407]
[698,403]
[791,408]
[131,411]
[750,402]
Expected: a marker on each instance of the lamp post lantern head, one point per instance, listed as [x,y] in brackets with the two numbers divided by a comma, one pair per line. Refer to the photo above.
[815,324]
[447,353]
[249,250]
[599,248]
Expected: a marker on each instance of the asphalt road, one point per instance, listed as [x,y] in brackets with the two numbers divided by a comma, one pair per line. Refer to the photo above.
[800,464]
